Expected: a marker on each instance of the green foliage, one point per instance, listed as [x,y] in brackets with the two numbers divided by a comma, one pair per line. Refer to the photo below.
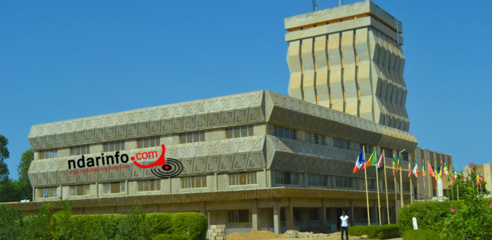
[469,218]
[133,226]
[423,234]
[25,188]
[40,226]
[427,214]
[375,231]
[193,225]
[61,225]
[169,237]
[10,223]
[94,227]
[4,154]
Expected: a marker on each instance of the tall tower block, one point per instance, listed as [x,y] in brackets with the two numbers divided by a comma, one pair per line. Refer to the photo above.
[349,58]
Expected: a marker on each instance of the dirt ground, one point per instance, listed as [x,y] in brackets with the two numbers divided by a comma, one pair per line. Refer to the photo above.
[267,235]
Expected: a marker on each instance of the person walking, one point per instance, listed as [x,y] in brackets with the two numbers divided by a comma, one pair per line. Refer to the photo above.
[344,224]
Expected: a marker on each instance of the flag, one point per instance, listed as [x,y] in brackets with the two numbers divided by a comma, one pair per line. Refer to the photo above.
[423,169]
[359,163]
[394,166]
[446,169]
[380,163]
[429,167]
[371,160]
[416,170]
[398,165]
[440,171]
[409,168]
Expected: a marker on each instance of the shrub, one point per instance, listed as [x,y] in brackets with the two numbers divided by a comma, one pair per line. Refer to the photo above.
[40,226]
[423,234]
[93,227]
[193,225]
[375,231]
[133,226]
[427,214]
[10,223]
[170,237]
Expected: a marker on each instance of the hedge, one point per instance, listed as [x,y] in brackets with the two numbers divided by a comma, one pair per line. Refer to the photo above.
[428,214]
[375,231]
[63,225]
[424,234]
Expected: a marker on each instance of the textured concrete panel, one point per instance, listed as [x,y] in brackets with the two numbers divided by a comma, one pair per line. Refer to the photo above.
[349,82]
[294,62]
[321,59]
[307,59]
[335,77]
[364,74]
[242,109]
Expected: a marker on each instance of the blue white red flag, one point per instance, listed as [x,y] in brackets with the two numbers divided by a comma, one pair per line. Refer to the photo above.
[359,163]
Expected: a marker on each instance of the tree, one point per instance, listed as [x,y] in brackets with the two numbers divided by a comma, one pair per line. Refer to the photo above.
[4,154]
[25,188]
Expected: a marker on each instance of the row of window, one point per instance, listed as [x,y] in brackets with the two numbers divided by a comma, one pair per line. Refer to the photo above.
[241,178]
[339,143]
[294,178]
[233,132]
[190,137]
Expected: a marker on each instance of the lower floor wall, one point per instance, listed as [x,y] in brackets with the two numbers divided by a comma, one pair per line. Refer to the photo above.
[277,214]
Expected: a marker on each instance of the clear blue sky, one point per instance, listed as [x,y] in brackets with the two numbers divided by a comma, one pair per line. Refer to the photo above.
[61,60]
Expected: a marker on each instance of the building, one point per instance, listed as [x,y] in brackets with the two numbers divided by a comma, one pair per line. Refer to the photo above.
[486,171]
[258,160]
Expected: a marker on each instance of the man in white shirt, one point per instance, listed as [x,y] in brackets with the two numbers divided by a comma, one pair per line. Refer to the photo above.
[344,225]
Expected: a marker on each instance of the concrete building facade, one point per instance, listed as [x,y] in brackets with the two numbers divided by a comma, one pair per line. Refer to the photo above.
[259,160]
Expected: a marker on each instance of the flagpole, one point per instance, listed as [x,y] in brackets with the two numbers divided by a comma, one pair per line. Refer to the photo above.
[411,182]
[394,178]
[386,186]
[401,182]
[423,176]
[367,193]
[377,181]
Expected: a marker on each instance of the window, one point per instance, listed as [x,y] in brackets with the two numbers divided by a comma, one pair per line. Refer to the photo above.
[339,143]
[194,182]
[371,184]
[313,138]
[114,146]
[406,187]
[404,156]
[80,150]
[80,190]
[368,149]
[388,153]
[238,216]
[148,142]
[343,182]
[391,185]
[317,180]
[48,192]
[45,154]
[114,187]
[313,214]
[236,132]
[242,178]
[284,132]
[149,185]
[192,137]
[288,178]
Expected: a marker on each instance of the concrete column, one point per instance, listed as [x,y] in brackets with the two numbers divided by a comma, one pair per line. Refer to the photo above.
[352,212]
[208,220]
[276,219]
[254,217]
[289,216]
[323,215]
